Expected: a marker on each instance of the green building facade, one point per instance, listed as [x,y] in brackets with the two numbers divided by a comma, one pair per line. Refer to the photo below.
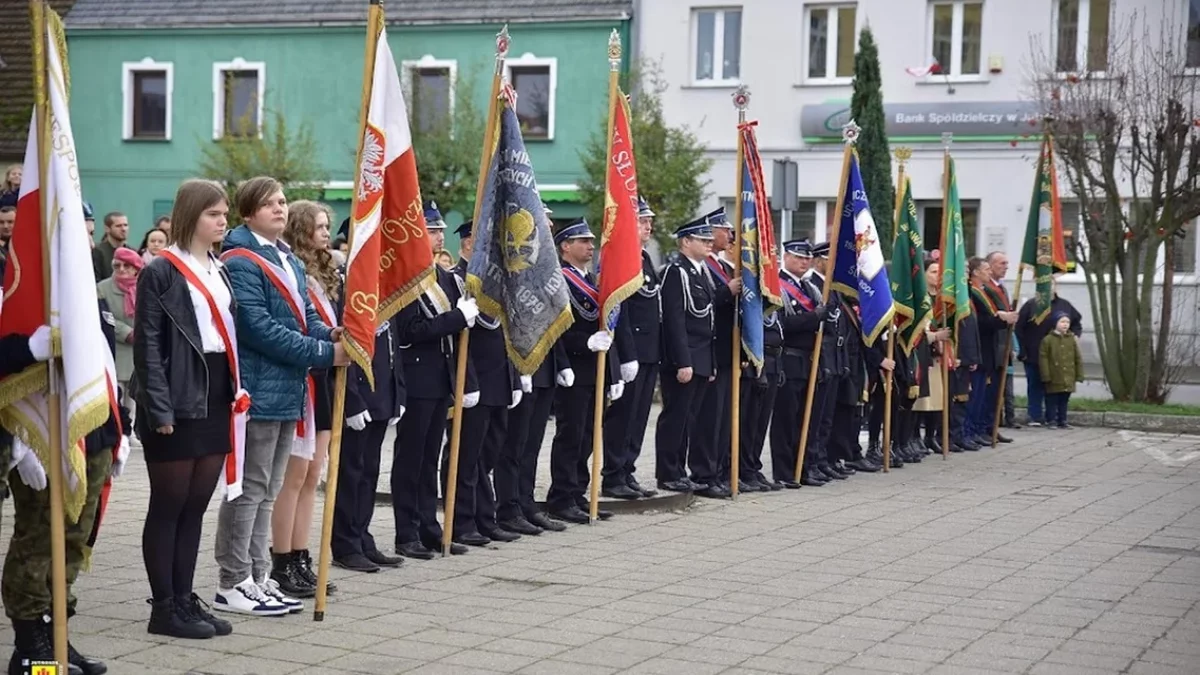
[152,87]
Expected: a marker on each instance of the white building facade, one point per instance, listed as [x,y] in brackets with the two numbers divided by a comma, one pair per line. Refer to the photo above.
[797,58]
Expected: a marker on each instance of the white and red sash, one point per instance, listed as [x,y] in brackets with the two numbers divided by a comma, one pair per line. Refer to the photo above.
[325,310]
[224,323]
[306,430]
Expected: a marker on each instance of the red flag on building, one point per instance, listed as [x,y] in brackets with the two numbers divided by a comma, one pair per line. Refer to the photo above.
[620,246]
[390,262]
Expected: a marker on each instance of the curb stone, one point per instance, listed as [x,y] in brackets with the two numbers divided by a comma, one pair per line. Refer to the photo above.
[1173,424]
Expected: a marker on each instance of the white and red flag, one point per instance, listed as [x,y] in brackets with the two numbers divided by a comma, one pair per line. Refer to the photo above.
[390,262]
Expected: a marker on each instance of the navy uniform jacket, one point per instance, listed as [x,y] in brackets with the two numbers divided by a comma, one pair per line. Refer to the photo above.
[968,352]
[723,308]
[574,340]
[800,325]
[388,397]
[556,360]
[428,342]
[642,316]
[687,304]
[992,331]
[772,351]
[837,329]
[489,357]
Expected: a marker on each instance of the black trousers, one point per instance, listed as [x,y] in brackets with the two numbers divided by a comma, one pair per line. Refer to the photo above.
[625,427]
[829,408]
[709,445]
[843,440]
[358,476]
[757,404]
[573,416]
[483,431]
[414,471]
[785,428]
[516,467]
[681,406]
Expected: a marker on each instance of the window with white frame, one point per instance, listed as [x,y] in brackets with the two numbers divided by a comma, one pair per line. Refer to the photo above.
[1193,34]
[430,86]
[238,88]
[956,36]
[717,37]
[831,41]
[535,80]
[1081,35]
[146,88]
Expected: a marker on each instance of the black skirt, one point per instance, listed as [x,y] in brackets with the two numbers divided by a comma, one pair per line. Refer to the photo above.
[323,401]
[197,438]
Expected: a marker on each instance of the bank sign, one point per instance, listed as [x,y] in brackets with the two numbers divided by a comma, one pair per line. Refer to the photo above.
[999,121]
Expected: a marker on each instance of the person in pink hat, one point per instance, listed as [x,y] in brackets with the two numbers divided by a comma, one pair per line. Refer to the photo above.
[120,290]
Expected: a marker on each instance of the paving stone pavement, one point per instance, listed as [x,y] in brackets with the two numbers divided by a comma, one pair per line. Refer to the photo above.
[1067,552]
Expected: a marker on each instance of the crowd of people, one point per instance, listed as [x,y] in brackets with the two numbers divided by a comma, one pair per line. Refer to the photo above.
[225,337]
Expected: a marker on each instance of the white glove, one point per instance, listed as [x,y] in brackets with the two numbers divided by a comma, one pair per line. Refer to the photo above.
[396,420]
[527,383]
[600,341]
[469,309]
[471,400]
[629,371]
[359,422]
[118,466]
[39,345]
[31,470]
[615,391]
[565,377]
[516,400]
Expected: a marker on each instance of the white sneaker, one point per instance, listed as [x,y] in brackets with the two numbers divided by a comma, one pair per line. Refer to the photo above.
[270,588]
[248,598]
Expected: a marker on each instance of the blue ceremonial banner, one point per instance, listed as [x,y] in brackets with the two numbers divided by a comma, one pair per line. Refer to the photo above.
[514,271]
[760,277]
[860,271]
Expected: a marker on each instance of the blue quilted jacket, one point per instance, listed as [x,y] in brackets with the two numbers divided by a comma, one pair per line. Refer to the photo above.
[274,353]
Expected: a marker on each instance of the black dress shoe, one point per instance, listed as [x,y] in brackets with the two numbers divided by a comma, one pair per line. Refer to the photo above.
[1012,425]
[382,559]
[415,550]
[969,445]
[681,485]
[601,514]
[471,539]
[1003,439]
[809,479]
[621,492]
[830,471]
[790,484]
[645,492]
[356,562]
[499,534]
[520,526]
[714,492]
[864,465]
[572,514]
[696,485]
[744,487]
[933,446]
[436,548]
[543,521]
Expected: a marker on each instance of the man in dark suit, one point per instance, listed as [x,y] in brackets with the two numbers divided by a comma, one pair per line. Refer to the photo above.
[758,392]
[834,358]
[369,414]
[574,406]
[625,423]
[426,330]
[688,362]
[710,434]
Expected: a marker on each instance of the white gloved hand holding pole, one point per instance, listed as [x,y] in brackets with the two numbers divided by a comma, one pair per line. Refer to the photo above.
[600,341]
[39,343]
[469,309]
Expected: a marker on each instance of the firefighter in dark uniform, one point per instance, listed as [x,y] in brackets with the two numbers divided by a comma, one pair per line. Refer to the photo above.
[865,365]
[833,344]
[426,330]
[758,392]
[688,362]
[625,422]
[800,318]
[574,406]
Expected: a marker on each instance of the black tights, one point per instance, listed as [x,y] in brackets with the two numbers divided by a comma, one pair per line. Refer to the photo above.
[179,496]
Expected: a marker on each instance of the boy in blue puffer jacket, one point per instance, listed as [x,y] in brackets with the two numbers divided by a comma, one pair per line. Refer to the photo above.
[279,336]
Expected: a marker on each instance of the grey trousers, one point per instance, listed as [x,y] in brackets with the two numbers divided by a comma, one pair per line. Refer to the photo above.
[244,524]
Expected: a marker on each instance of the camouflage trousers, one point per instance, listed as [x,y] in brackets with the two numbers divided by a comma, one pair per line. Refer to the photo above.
[25,587]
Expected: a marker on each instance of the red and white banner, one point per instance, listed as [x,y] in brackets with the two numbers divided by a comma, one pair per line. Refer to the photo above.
[391,261]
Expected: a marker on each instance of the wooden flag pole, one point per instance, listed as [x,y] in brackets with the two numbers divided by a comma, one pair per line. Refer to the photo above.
[902,156]
[741,99]
[849,136]
[374,25]
[58,528]
[464,338]
[614,74]
[948,346]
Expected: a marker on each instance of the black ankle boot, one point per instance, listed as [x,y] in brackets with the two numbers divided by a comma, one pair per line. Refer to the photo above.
[34,641]
[195,607]
[304,563]
[167,617]
[285,571]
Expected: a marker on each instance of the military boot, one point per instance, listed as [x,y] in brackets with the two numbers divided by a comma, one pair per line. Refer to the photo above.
[34,642]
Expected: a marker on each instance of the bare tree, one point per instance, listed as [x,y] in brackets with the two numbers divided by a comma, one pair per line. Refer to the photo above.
[1128,141]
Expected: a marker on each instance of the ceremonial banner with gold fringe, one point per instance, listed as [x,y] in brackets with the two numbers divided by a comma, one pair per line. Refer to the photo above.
[761,293]
[859,271]
[1044,251]
[514,272]
[87,374]
[619,266]
[909,292]
[390,262]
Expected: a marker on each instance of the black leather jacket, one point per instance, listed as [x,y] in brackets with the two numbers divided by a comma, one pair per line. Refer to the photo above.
[170,376]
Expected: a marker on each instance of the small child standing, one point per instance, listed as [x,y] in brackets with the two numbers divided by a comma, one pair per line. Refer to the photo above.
[1061,366]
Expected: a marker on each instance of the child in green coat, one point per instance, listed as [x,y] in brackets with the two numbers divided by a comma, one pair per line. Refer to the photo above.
[1061,367]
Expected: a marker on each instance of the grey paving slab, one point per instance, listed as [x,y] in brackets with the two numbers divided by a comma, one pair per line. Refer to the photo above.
[1062,553]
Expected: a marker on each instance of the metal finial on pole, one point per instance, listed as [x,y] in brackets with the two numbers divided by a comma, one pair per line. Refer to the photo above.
[903,154]
[502,42]
[614,50]
[850,131]
[947,140]
[741,100]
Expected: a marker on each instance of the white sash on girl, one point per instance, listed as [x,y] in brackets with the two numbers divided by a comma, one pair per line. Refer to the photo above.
[226,328]
[301,448]
[306,431]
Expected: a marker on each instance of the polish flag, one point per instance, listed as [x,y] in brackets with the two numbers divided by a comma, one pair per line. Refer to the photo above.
[391,261]
[934,68]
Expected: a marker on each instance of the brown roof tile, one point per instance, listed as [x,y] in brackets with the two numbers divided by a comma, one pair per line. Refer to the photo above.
[16,74]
